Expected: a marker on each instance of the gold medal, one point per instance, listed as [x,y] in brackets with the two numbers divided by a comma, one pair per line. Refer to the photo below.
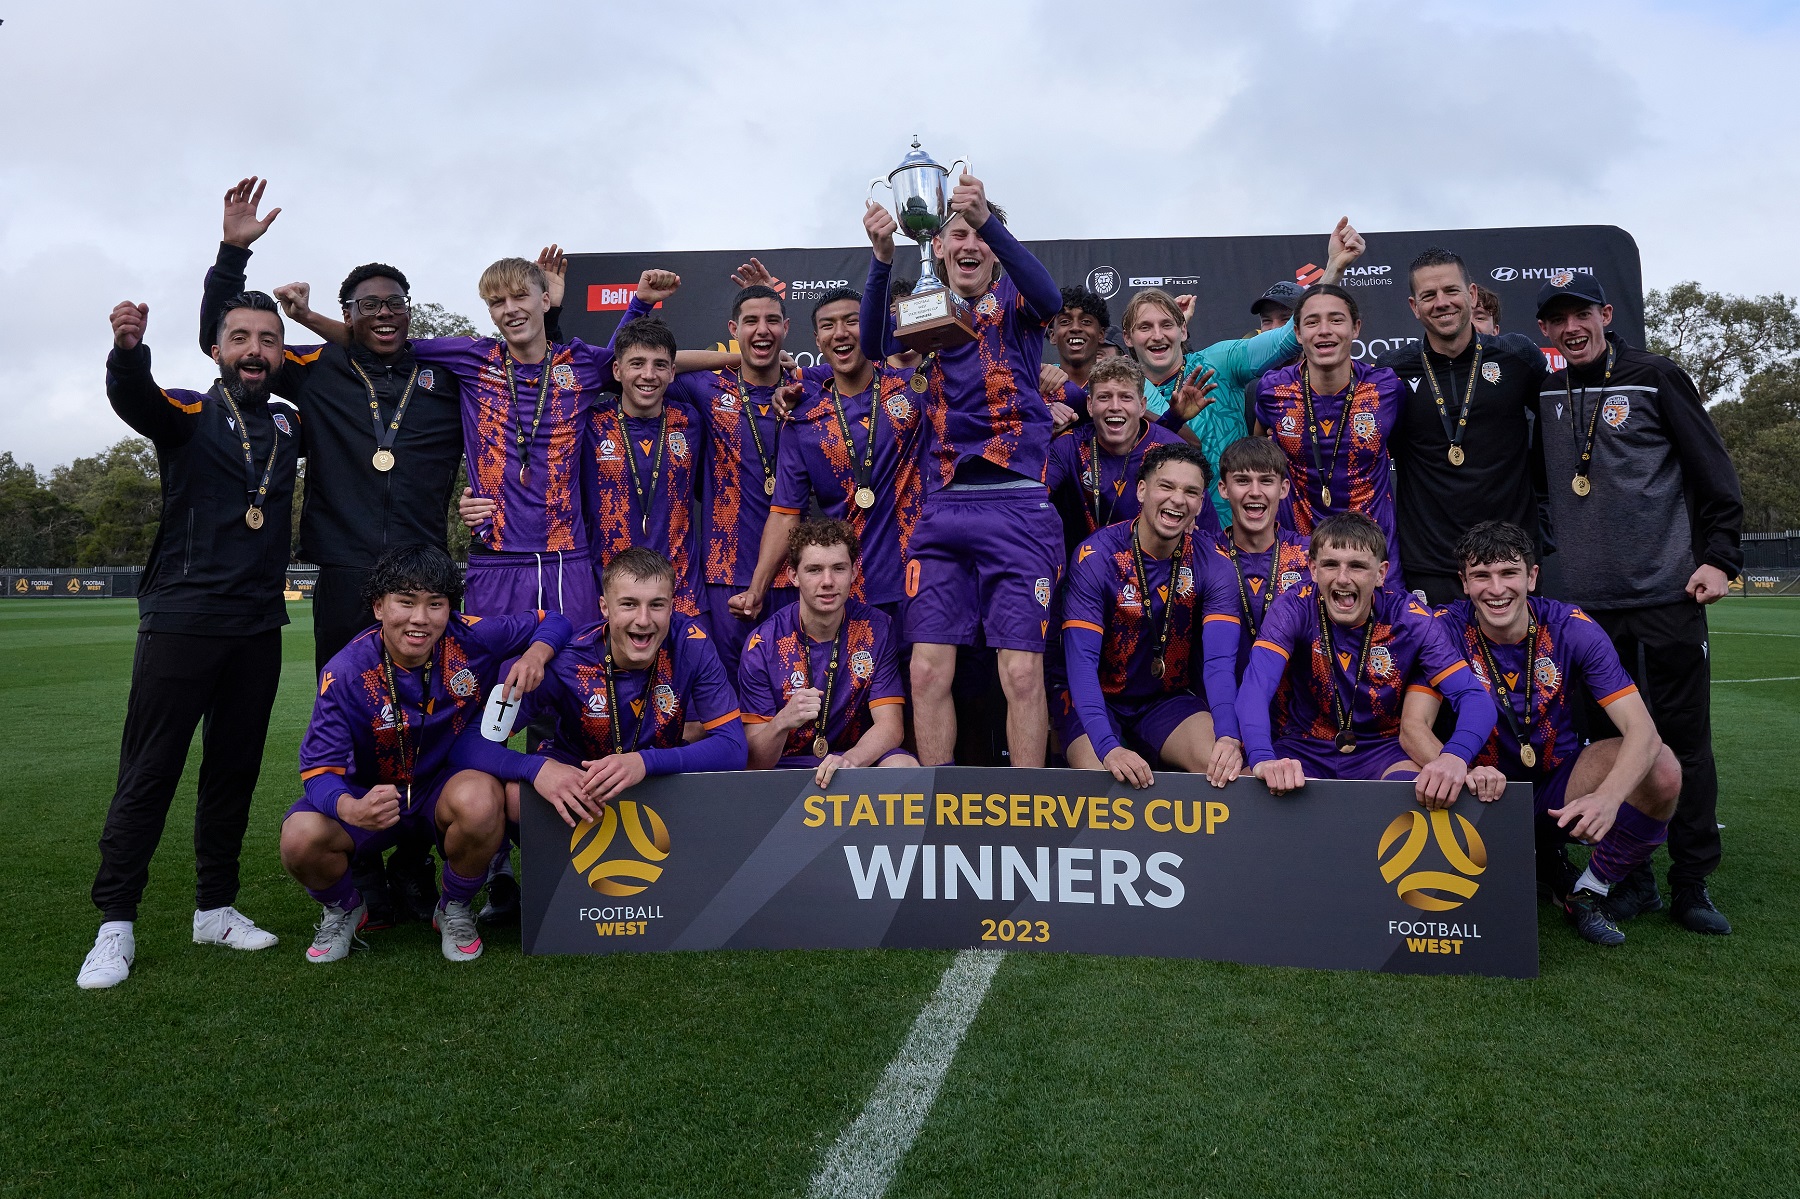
[1345,742]
[1157,666]
[1527,756]
[1325,497]
[383,460]
[865,497]
[1581,485]
[1456,455]
[821,747]
[768,485]
[521,476]
[918,382]
[253,517]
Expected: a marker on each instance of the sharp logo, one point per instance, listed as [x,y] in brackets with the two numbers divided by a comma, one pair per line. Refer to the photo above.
[1432,890]
[1375,275]
[1309,274]
[1507,274]
[812,289]
[645,833]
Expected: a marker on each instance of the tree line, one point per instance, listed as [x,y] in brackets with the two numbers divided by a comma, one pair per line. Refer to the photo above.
[1743,352]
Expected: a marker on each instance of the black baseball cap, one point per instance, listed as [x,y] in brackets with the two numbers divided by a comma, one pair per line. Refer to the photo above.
[1579,286]
[1285,294]
[1114,338]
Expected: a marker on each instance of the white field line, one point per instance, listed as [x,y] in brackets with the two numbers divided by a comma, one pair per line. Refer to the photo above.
[1735,633]
[865,1158]
[1783,678]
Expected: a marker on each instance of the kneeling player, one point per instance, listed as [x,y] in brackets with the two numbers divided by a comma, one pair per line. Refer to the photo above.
[1532,652]
[1128,631]
[819,681]
[618,700]
[1360,645]
[376,758]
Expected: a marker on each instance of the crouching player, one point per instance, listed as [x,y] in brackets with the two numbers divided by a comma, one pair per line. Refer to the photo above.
[376,759]
[1616,795]
[1348,648]
[819,682]
[1128,631]
[619,699]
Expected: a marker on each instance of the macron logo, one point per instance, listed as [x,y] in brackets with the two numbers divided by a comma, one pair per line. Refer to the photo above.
[610,297]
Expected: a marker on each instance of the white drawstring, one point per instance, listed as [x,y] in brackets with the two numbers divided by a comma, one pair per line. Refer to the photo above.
[540,580]
[560,605]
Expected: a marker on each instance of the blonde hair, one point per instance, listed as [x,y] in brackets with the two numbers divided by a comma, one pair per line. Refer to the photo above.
[1152,296]
[1117,369]
[507,276]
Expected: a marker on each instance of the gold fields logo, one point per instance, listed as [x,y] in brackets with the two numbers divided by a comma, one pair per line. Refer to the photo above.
[1431,890]
[645,833]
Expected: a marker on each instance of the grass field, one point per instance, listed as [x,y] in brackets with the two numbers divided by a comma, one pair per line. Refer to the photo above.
[1670,1067]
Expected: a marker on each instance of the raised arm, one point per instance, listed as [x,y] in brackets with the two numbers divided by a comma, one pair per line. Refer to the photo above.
[877,319]
[131,390]
[296,301]
[1040,292]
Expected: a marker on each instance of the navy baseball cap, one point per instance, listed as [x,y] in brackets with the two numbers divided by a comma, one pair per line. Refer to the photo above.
[1579,286]
[1285,294]
[1114,338]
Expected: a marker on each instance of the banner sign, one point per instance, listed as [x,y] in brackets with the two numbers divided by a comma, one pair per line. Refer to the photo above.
[1346,876]
[1224,274]
[51,584]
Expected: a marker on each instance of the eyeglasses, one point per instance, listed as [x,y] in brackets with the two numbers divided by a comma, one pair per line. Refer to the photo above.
[370,305]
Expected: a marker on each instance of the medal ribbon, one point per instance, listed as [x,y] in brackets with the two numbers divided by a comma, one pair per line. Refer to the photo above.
[1339,711]
[257,491]
[1593,425]
[409,754]
[831,672]
[1324,469]
[862,474]
[385,435]
[537,410]
[1520,726]
[1455,434]
[1237,567]
[768,466]
[644,500]
[617,717]
[1143,582]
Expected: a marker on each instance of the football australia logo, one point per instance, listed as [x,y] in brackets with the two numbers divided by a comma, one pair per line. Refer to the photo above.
[646,837]
[1431,889]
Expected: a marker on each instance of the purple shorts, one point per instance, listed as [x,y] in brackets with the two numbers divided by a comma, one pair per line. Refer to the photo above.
[1144,726]
[422,817]
[554,581]
[1321,759]
[728,633]
[1551,792]
[987,560]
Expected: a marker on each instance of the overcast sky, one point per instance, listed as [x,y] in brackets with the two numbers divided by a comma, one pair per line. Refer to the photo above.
[441,136]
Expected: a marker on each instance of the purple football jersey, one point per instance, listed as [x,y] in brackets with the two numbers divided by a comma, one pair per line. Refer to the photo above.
[616,517]
[734,506]
[1231,581]
[780,658]
[1112,497]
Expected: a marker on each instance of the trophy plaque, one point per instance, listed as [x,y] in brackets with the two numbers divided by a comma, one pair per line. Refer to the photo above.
[933,317]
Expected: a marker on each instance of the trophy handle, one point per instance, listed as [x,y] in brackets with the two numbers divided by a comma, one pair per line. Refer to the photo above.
[878,181]
[953,165]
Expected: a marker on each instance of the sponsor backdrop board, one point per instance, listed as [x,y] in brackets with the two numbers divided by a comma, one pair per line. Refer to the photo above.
[1224,273]
[1352,876]
[56,584]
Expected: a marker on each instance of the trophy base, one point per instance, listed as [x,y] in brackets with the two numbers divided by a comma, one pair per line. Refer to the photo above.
[933,320]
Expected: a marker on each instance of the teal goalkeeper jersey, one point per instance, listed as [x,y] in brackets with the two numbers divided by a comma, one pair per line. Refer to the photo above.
[1235,364]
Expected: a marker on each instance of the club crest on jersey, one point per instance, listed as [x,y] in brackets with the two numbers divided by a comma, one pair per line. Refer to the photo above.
[900,408]
[678,445]
[1480,672]
[665,699]
[1041,592]
[1616,411]
[796,681]
[386,719]
[1362,427]
[1128,596]
[1087,478]
[596,704]
[1545,674]
[281,422]
[726,401]
[1289,426]
[1490,371]
[1289,578]
[426,378]
[609,450]
[862,665]
[462,683]
[988,305]
[1184,581]
[1381,662]
[564,374]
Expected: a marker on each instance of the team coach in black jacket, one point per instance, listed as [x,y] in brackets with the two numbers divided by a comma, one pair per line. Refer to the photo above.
[211,611]
[1645,508]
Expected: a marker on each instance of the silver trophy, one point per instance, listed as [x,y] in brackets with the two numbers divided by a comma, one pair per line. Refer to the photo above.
[933,317]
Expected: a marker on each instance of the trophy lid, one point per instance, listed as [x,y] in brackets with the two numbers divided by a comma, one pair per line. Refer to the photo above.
[916,157]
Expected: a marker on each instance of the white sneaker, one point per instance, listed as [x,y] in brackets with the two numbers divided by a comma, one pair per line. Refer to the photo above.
[456,923]
[108,963]
[337,929]
[229,927]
